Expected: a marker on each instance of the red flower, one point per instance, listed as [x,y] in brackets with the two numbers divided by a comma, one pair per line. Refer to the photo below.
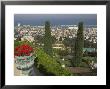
[23,50]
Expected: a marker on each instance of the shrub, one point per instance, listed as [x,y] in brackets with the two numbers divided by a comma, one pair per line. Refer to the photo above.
[17,43]
[62,52]
[49,65]
[68,63]
[84,64]
[89,59]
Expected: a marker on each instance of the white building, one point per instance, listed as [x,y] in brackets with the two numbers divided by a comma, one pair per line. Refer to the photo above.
[73,27]
[28,38]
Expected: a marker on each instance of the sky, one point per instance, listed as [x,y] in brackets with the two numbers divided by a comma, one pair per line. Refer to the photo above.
[55,19]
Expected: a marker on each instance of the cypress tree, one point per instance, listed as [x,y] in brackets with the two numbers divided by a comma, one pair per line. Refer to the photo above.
[79,44]
[48,39]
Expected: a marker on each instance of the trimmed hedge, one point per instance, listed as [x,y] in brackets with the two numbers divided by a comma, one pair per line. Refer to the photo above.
[49,64]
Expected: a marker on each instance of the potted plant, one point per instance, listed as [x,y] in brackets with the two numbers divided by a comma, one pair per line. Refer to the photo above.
[24,58]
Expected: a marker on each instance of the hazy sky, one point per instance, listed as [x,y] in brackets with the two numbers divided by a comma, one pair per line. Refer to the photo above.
[55,19]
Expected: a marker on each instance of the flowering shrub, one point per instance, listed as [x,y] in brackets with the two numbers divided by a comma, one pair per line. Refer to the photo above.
[23,50]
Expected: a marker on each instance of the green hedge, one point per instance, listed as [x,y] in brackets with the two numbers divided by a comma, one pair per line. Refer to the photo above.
[49,64]
[17,43]
[89,59]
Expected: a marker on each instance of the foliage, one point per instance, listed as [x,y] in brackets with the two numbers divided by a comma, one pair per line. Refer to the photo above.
[79,44]
[48,39]
[69,42]
[90,54]
[38,39]
[89,59]
[68,63]
[17,43]
[62,52]
[84,64]
[49,65]
[88,44]
[53,39]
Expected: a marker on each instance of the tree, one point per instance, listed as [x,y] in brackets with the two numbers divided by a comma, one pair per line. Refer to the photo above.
[79,44]
[38,39]
[62,52]
[48,39]
[69,42]
[53,39]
